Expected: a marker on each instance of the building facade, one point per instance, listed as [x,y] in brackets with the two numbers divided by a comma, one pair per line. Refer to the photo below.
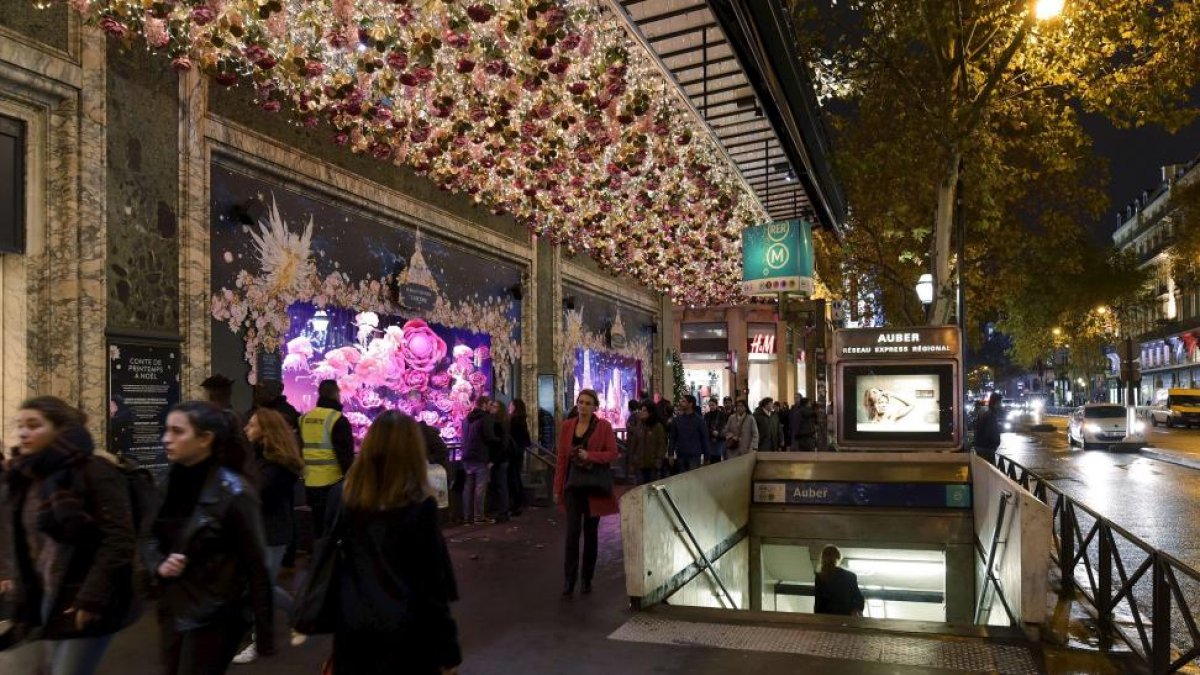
[1167,327]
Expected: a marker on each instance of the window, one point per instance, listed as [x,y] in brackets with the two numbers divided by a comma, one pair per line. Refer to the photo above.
[12,185]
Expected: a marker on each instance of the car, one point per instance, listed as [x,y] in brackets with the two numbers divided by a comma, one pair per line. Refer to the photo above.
[1176,407]
[1103,425]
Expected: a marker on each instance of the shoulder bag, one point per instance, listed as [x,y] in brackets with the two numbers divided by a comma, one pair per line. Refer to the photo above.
[317,602]
[588,476]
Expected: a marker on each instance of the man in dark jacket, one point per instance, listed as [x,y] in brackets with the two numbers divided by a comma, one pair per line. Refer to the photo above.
[768,426]
[269,394]
[715,419]
[327,443]
[689,435]
[803,427]
[987,429]
[479,437]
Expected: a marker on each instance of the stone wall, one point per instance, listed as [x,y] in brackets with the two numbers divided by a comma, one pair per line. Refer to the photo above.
[143,192]
[48,26]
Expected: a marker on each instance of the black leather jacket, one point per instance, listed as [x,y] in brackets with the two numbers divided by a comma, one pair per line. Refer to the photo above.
[226,572]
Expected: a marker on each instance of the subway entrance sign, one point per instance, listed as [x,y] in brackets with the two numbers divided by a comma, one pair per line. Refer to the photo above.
[778,258]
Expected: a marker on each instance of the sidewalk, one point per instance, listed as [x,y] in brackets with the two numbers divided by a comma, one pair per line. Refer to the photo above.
[512,620]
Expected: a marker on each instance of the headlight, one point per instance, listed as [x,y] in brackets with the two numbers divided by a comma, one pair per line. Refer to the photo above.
[1091,428]
[1012,415]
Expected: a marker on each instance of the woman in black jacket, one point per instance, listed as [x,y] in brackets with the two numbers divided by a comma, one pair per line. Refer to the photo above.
[207,546]
[499,454]
[71,529]
[518,429]
[278,467]
[396,584]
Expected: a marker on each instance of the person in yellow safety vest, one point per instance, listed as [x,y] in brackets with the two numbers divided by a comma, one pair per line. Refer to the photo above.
[328,449]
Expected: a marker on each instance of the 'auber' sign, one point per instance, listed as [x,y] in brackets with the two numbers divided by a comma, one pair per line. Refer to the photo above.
[778,258]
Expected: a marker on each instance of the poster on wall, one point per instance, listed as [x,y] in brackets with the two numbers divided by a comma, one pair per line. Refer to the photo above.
[143,384]
[381,362]
[616,379]
[890,403]
[289,263]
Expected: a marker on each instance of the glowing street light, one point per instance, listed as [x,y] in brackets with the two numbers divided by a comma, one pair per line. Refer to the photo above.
[925,288]
[1048,9]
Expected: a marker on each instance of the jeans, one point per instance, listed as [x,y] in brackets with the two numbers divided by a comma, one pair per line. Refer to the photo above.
[686,462]
[283,599]
[516,487]
[474,491]
[79,656]
[716,452]
[498,478]
[317,498]
[580,521]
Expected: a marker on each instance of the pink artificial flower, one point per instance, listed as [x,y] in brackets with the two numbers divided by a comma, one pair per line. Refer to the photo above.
[483,352]
[422,349]
[156,32]
[440,380]
[181,64]
[113,27]
[430,417]
[478,379]
[449,432]
[202,16]
[416,379]
[343,10]
[480,13]
[371,370]
[272,106]
[314,69]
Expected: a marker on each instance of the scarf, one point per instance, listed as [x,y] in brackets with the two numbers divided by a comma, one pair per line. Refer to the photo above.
[61,511]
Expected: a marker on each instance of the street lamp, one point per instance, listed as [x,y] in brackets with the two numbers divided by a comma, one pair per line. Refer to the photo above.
[925,292]
[1048,9]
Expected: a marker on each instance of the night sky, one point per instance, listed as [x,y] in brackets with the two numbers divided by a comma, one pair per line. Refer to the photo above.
[1136,157]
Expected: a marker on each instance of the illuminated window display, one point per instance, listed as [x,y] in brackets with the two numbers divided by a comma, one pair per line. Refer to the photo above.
[762,353]
[386,363]
[615,378]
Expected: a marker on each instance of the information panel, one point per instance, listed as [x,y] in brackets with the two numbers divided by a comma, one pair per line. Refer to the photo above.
[143,384]
[821,493]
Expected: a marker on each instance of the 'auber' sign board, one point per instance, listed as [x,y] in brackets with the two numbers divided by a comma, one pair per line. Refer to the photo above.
[778,258]
[909,495]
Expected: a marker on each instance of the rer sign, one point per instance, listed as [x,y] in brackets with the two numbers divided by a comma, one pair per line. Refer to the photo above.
[778,258]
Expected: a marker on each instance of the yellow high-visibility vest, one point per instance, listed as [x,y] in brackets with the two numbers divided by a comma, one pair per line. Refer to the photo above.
[321,467]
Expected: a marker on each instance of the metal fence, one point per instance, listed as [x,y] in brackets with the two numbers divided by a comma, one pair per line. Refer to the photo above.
[1140,593]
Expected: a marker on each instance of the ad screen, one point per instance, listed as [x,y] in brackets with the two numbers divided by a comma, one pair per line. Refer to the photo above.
[913,403]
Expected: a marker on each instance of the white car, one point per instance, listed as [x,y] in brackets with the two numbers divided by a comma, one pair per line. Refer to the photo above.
[1103,425]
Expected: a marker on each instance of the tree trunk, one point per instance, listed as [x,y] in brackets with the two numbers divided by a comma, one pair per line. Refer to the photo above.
[943,235]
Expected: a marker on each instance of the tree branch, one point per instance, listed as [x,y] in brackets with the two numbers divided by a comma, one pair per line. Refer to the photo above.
[975,110]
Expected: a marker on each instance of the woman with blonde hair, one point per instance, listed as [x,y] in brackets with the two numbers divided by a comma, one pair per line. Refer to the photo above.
[278,466]
[837,588]
[394,583]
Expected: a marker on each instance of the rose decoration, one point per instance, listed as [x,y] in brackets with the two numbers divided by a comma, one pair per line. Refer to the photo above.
[440,380]
[416,379]
[422,349]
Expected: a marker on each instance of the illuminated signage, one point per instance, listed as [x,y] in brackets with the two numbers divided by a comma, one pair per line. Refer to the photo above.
[939,341]
[778,258]
[763,343]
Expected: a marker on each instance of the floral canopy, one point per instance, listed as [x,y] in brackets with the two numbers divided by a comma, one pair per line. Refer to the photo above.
[544,109]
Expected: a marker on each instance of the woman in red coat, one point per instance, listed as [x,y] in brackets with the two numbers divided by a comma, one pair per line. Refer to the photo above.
[584,441]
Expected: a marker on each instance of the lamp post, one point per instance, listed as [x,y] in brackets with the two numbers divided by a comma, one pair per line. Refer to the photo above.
[925,292]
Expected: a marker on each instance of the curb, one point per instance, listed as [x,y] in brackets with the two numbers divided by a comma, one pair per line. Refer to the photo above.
[1169,458]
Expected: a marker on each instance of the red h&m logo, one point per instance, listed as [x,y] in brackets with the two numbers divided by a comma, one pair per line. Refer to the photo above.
[762,343]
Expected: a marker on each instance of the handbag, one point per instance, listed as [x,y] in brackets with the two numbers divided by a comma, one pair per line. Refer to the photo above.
[317,608]
[594,478]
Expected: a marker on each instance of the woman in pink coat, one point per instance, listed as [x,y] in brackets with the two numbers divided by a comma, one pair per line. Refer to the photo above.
[585,441]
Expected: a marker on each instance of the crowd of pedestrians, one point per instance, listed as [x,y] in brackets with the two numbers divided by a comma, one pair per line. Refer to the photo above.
[665,439]
[89,542]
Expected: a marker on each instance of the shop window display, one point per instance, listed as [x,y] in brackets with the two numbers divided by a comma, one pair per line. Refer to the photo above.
[615,378]
[382,362]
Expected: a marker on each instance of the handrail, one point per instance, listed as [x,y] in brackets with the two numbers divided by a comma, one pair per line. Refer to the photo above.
[1153,639]
[535,451]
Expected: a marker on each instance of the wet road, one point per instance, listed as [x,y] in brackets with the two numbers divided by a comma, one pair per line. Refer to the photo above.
[1155,500]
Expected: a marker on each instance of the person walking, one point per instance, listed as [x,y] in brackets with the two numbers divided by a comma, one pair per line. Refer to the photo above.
[479,435]
[741,431]
[783,416]
[396,583]
[518,425]
[987,428]
[328,450]
[652,443]
[768,426]
[70,524]
[715,419]
[837,589]
[207,547]
[278,467]
[804,426]
[269,394]
[586,444]
[499,452]
[689,435]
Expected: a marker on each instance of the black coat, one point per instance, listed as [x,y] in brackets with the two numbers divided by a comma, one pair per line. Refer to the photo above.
[226,573]
[479,436]
[396,588]
[92,567]
[838,593]
[277,493]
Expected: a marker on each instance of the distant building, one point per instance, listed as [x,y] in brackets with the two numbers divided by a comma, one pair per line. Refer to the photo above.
[1166,327]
